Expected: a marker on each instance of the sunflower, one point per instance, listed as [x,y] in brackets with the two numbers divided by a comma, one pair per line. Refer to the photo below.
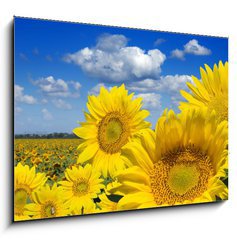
[47,203]
[114,119]
[81,187]
[106,205]
[181,163]
[25,181]
[210,92]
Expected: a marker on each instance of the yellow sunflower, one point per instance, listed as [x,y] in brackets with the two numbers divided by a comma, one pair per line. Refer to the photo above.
[182,163]
[210,92]
[81,187]
[114,118]
[47,203]
[106,205]
[25,181]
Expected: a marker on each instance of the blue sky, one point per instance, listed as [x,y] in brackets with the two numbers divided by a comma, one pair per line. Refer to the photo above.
[58,64]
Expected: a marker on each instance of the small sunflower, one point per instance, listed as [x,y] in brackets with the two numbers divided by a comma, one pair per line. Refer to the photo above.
[47,203]
[25,181]
[106,205]
[210,92]
[114,118]
[182,163]
[81,187]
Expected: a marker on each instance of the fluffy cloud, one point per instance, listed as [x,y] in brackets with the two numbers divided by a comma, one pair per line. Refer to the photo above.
[169,84]
[52,87]
[61,104]
[107,42]
[192,47]
[150,100]
[46,114]
[173,83]
[76,85]
[178,54]
[112,60]
[175,100]
[57,87]
[21,97]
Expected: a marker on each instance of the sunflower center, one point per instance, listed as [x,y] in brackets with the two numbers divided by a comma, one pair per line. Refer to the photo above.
[220,105]
[20,197]
[80,187]
[182,175]
[113,132]
[48,210]
[183,178]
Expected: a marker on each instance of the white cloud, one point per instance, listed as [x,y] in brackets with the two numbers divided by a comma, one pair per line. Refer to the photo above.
[52,87]
[150,100]
[159,41]
[46,114]
[192,47]
[178,54]
[76,85]
[107,42]
[174,83]
[57,87]
[145,85]
[61,104]
[112,60]
[175,100]
[21,97]
[168,84]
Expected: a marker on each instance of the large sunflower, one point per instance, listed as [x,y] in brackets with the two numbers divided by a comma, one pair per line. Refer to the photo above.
[182,163]
[47,203]
[25,181]
[210,92]
[81,187]
[114,119]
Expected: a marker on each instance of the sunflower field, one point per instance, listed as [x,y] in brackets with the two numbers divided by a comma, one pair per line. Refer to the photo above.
[118,162]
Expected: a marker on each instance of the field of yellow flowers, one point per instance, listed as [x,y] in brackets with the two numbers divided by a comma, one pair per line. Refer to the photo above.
[120,163]
[50,156]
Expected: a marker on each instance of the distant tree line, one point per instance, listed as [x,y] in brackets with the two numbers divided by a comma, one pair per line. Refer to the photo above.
[46,136]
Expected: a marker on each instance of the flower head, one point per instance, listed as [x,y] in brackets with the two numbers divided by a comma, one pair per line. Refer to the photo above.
[82,186]
[106,205]
[26,180]
[210,92]
[182,163]
[48,202]
[113,120]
